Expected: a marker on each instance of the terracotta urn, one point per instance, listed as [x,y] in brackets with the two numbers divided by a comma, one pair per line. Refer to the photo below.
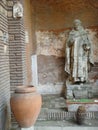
[25,105]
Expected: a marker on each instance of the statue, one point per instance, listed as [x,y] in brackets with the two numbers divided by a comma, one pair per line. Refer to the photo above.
[79,55]
[17,10]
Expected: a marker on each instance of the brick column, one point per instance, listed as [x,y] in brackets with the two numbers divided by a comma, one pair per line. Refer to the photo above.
[16,49]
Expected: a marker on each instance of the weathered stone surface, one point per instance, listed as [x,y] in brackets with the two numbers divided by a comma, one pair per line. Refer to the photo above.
[89,107]
[80,94]
[9,13]
[50,88]
[4,70]
[10,3]
[3,11]
[79,91]
[53,20]
[17,53]
[1,34]
[60,14]
[50,43]
[4,1]
[50,69]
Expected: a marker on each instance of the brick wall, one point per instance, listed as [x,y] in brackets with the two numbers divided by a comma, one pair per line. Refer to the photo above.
[4,69]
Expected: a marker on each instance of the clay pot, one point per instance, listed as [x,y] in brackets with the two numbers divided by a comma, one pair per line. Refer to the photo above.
[80,115]
[26,105]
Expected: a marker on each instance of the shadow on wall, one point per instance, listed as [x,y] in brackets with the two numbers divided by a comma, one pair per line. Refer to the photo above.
[5,122]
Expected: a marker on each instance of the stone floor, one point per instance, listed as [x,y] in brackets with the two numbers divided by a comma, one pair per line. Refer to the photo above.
[55,105]
[66,123]
[52,113]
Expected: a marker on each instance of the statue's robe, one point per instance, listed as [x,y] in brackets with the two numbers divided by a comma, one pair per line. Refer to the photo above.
[77,58]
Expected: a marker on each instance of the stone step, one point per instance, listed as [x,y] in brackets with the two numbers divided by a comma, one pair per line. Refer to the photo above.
[57,114]
[65,124]
[64,128]
[61,125]
[53,101]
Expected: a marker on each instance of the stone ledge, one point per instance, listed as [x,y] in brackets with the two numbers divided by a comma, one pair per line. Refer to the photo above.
[91,105]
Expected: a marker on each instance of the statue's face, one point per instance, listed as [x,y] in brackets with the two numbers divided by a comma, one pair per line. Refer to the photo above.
[77,24]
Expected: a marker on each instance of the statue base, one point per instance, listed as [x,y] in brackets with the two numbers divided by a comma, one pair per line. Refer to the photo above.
[79,91]
[82,94]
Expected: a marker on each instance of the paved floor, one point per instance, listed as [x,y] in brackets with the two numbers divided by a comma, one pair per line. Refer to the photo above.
[55,103]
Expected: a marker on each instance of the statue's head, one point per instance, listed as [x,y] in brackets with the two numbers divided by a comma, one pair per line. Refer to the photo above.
[77,23]
[18,1]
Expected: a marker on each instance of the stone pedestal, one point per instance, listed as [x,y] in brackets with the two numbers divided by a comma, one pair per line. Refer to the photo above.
[31,128]
[82,94]
[80,91]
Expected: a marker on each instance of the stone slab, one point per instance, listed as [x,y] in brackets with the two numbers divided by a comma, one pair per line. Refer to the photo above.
[31,128]
[80,128]
[65,128]
[90,105]
[64,124]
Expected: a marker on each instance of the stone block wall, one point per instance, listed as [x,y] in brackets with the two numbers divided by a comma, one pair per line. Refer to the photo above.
[4,69]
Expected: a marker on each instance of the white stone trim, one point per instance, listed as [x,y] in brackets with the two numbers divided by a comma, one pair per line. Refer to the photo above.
[34,70]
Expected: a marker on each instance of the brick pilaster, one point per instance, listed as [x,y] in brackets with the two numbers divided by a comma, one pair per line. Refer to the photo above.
[16,49]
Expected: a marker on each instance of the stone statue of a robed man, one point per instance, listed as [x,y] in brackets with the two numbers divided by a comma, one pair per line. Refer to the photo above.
[79,54]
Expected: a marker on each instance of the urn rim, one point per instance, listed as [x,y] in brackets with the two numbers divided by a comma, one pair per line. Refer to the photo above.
[25,89]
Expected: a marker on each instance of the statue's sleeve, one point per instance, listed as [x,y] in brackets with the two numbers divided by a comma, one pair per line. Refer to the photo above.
[91,57]
[67,56]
